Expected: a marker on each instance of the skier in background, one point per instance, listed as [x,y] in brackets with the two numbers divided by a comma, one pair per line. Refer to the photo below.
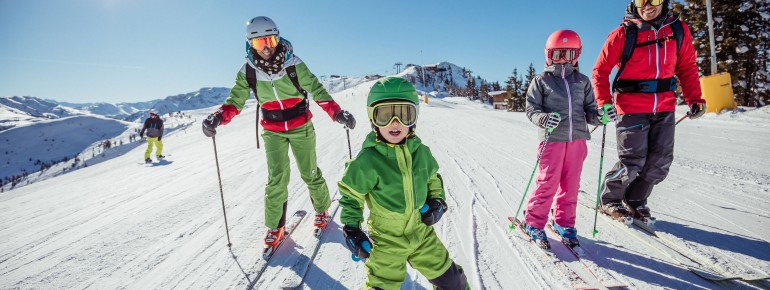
[283,85]
[645,101]
[397,177]
[561,99]
[154,127]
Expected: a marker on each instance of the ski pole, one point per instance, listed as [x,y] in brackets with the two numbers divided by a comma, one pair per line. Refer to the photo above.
[539,155]
[350,151]
[221,193]
[599,187]
[594,129]
[682,118]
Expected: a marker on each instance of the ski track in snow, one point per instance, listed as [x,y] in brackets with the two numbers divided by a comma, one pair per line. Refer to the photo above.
[118,225]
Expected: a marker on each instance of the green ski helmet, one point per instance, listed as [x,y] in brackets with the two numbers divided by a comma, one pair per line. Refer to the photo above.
[392,88]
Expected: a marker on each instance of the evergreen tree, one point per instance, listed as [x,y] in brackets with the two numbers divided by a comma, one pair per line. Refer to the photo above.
[520,100]
[531,73]
[496,86]
[742,38]
[484,90]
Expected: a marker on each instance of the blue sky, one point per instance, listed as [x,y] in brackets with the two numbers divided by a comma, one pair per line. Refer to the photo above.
[125,51]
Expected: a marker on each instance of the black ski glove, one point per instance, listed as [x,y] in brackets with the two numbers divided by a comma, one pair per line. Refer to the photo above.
[160,137]
[345,118]
[211,123]
[141,136]
[357,242]
[432,211]
[697,110]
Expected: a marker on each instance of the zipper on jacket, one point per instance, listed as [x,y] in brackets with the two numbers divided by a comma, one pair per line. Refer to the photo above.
[275,93]
[657,71]
[569,100]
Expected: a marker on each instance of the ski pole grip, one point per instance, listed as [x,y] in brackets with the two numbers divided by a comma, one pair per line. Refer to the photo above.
[551,129]
[366,246]
[424,208]
[605,108]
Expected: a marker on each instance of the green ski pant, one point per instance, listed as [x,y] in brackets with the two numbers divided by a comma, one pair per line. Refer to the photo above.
[396,242]
[150,142]
[302,143]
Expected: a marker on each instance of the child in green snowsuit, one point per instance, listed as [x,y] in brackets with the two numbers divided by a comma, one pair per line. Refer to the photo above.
[396,176]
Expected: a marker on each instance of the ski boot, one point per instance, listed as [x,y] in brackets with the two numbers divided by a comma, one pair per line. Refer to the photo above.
[618,212]
[148,161]
[160,157]
[568,235]
[321,220]
[537,236]
[272,240]
[642,214]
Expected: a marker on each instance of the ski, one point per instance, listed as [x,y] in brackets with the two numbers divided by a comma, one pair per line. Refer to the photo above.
[301,266]
[606,278]
[649,228]
[576,281]
[697,268]
[261,265]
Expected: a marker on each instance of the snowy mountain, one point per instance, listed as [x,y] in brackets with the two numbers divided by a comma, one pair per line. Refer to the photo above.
[118,224]
[440,78]
[27,110]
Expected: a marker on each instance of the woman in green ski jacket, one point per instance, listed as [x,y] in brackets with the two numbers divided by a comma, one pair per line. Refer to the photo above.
[397,178]
[283,87]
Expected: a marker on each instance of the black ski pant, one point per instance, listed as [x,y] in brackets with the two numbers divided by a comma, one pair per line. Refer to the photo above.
[645,150]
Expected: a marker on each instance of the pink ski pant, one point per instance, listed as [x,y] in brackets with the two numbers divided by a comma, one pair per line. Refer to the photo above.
[557,185]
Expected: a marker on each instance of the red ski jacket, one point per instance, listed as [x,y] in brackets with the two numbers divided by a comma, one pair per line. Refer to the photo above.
[655,61]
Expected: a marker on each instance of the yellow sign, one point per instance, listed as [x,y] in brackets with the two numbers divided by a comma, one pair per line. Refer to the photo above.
[718,92]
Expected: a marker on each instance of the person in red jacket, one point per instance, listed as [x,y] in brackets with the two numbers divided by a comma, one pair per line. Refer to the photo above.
[645,100]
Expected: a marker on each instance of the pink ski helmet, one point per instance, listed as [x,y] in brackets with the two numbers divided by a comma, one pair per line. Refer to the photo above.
[563,44]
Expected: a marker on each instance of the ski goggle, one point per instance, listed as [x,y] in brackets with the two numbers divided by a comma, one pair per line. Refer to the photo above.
[383,114]
[640,3]
[567,54]
[259,43]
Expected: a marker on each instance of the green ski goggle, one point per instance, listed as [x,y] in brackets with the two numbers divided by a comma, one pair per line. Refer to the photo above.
[383,114]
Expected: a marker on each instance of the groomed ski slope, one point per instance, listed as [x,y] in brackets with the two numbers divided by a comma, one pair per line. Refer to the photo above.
[118,224]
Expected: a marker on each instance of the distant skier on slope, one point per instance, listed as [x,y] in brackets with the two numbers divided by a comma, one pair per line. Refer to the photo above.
[154,127]
[645,101]
[561,99]
[283,85]
[397,177]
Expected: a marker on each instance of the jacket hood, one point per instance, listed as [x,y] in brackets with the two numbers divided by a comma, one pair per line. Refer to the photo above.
[412,142]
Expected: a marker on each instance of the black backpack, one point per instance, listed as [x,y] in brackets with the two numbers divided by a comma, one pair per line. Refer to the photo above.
[630,44]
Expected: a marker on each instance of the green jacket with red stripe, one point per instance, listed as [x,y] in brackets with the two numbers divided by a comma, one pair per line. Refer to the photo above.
[277,92]
[393,180]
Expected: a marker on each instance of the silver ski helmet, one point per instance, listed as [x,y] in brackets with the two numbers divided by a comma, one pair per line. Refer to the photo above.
[261,26]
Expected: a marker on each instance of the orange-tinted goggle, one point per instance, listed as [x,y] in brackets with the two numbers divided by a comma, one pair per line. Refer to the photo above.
[640,3]
[260,42]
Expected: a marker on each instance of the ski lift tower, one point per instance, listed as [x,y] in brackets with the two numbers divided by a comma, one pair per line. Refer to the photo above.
[397,66]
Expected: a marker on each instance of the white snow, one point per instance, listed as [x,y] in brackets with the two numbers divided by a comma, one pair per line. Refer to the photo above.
[118,224]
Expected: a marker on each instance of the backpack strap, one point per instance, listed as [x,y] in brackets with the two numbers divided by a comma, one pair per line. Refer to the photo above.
[292,72]
[628,49]
[676,28]
[251,78]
